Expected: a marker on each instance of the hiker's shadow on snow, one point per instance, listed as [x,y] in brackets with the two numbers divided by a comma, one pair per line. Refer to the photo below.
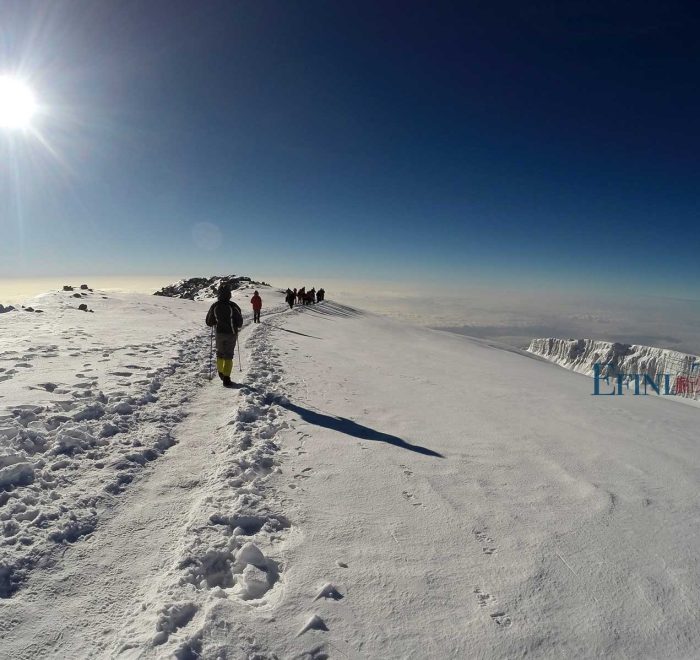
[347,426]
[294,332]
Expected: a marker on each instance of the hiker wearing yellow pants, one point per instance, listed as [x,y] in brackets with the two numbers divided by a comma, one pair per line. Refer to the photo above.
[226,316]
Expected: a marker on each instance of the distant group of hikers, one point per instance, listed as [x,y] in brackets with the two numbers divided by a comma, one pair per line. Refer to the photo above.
[226,317]
[304,297]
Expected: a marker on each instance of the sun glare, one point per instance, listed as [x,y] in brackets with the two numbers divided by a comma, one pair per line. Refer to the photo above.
[17,103]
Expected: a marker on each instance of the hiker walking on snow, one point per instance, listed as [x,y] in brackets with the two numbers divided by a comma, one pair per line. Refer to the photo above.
[226,317]
[256,302]
[290,297]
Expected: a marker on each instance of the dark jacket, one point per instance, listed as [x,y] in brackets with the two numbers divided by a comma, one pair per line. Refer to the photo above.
[226,316]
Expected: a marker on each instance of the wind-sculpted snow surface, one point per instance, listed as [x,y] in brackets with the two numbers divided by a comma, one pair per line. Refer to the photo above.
[581,355]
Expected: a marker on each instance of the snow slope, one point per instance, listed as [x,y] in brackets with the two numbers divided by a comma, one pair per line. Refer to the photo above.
[375,490]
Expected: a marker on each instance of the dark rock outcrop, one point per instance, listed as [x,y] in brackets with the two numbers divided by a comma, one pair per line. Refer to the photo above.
[201,288]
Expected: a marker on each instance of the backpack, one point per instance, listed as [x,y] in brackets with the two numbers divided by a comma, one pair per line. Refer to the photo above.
[237,316]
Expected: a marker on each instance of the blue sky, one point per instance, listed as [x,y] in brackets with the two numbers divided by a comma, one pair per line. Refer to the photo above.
[489,143]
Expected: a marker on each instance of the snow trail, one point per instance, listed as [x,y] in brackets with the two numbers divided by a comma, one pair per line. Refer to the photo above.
[99,582]
[116,587]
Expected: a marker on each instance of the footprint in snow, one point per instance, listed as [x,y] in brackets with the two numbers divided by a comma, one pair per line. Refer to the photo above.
[501,619]
[171,618]
[410,497]
[483,598]
[482,537]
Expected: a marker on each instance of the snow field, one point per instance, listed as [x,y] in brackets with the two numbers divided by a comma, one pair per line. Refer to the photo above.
[378,490]
[546,525]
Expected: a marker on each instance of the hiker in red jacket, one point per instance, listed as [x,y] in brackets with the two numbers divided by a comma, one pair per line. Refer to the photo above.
[256,302]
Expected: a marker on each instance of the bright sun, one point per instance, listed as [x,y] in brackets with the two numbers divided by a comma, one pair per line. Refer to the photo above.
[17,103]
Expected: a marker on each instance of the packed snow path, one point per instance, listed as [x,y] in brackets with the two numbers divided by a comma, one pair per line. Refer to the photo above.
[378,490]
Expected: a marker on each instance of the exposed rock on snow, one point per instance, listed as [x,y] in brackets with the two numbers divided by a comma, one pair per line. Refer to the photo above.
[204,288]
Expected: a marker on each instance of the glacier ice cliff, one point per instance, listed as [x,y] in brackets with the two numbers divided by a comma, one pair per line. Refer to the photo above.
[581,354]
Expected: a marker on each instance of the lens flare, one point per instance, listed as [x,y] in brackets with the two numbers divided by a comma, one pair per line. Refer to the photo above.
[17,103]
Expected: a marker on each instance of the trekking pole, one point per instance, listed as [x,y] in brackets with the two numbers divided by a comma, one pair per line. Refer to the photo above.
[211,351]
[240,366]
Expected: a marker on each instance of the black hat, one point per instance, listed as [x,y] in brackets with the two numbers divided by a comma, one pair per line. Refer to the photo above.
[224,291]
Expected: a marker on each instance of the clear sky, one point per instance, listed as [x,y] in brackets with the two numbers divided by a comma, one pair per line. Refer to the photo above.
[516,143]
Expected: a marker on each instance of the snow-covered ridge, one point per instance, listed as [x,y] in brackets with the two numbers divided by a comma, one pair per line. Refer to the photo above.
[581,354]
[203,288]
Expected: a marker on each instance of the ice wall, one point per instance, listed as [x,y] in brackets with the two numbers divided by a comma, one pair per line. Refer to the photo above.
[581,354]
